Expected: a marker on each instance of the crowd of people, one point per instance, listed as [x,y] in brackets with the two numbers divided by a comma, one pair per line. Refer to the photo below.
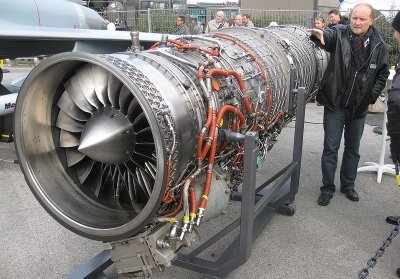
[217,23]
[245,21]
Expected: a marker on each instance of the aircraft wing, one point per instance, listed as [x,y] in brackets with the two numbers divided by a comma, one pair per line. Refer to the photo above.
[29,42]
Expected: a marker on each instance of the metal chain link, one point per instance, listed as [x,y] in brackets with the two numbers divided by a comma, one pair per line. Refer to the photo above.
[372,262]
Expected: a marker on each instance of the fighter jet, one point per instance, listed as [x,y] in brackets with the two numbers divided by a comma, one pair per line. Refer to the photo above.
[31,28]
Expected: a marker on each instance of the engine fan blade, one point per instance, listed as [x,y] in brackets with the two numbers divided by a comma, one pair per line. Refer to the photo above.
[143,183]
[83,169]
[140,122]
[68,139]
[73,156]
[67,105]
[150,169]
[100,78]
[65,122]
[113,88]
[77,96]
[134,109]
[125,99]
[85,82]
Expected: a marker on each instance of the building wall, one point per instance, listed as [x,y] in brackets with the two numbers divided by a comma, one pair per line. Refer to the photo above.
[277,5]
[328,4]
[287,4]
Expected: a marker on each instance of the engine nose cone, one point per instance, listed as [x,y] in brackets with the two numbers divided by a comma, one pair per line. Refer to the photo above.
[108,137]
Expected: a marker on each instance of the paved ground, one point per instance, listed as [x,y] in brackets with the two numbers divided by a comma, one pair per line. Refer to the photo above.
[317,242]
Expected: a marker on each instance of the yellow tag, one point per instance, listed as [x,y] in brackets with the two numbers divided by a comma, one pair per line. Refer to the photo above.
[172,220]
[221,123]
[398,179]
[193,215]
[186,218]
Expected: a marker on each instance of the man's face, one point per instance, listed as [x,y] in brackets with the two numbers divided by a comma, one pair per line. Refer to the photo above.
[245,20]
[179,22]
[219,17]
[360,20]
[397,36]
[334,18]
[238,20]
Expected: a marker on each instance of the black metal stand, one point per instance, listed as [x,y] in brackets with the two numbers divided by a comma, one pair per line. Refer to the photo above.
[93,269]
[258,205]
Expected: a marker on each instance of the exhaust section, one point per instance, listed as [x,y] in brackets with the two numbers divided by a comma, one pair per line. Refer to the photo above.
[114,145]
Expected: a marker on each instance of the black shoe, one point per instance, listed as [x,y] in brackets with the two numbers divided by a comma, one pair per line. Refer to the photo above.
[324,198]
[394,220]
[351,194]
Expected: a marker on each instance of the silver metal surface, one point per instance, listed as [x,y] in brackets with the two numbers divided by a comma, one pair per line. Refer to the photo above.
[107,142]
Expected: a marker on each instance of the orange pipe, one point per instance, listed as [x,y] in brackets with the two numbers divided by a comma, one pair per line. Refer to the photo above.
[211,159]
[206,190]
[200,73]
[192,47]
[168,174]
[263,73]
[211,134]
[280,114]
[193,203]
[177,209]
[233,109]
[176,42]
[238,79]
[203,131]
[155,45]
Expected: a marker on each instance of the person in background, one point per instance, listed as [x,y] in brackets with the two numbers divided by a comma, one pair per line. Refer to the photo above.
[393,112]
[237,21]
[217,23]
[320,23]
[197,28]
[336,18]
[246,21]
[354,78]
[182,29]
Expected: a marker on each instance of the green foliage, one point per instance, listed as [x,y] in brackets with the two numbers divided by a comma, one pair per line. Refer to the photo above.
[385,29]
[281,20]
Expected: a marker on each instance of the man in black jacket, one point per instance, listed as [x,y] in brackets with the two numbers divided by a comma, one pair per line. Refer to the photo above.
[354,78]
[393,125]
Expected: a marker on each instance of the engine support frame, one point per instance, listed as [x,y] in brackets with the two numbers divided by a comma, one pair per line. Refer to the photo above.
[259,204]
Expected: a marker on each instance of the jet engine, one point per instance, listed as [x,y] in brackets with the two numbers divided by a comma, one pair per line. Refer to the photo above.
[119,145]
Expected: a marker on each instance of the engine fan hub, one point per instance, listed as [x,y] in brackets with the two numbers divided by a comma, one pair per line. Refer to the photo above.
[108,137]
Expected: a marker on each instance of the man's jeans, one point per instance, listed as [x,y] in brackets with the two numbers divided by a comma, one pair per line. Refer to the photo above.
[334,123]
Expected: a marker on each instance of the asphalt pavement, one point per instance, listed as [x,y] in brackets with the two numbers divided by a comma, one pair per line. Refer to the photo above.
[335,241]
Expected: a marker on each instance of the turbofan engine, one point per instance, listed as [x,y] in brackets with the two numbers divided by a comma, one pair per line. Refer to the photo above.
[114,146]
